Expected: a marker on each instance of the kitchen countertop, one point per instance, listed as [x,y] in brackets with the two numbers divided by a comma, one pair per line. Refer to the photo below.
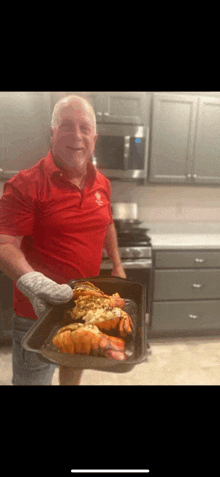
[185,241]
[165,236]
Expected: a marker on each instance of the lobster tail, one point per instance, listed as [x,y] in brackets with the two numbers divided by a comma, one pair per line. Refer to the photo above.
[101,313]
[87,339]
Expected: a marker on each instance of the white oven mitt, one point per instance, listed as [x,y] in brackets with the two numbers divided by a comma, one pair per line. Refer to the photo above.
[43,292]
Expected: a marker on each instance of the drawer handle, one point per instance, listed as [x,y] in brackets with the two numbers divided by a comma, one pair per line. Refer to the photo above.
[197,285]
[200,260]
[194,317]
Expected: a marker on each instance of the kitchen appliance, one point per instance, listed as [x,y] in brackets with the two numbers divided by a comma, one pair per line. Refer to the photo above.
[125,211]
[126,224]
[121,151]
[39,338]
[135,250]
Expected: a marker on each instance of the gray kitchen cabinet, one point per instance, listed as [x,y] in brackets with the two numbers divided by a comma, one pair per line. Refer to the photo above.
[25,130]
[172,135]
[117,107]
[186,291]
[6,306]
[185,139]
[206,156]
[186,284]
[187,259]
[190,316]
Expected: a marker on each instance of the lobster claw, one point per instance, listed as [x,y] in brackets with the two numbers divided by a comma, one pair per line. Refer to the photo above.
[122,323]
[116,300]
[125,325]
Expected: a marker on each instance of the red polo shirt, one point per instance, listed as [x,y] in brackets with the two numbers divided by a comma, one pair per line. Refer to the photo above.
[63,227]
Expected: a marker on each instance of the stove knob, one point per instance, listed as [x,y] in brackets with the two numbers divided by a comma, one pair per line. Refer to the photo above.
[123,252]
[136,253]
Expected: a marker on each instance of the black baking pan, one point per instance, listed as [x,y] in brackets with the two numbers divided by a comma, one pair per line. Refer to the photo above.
[39,338]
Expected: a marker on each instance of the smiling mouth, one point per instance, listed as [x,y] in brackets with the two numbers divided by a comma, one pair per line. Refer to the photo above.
[75,148]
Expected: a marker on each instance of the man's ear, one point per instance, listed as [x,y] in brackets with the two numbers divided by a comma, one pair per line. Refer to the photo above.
[95,139]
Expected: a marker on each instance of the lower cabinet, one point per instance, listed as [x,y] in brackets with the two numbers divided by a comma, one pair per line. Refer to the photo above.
[186,292]
[186,316]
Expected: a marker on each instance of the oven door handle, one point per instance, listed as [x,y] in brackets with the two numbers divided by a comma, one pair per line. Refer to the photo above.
[134,264]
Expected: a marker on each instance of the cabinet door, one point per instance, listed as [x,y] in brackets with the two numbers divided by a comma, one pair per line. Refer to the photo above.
[124,107]
[94,97]
[186,284]
[173,130]
[207,145]
[187,259]
[186,315]
[26,129]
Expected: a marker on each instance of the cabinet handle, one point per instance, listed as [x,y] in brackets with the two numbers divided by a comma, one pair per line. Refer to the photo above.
[200,260]
[194,317]
[194,176]
[98,114]
[188,176]
[106,114]
[197,285]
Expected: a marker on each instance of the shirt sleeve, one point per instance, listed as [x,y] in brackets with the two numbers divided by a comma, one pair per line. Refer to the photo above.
[17,210]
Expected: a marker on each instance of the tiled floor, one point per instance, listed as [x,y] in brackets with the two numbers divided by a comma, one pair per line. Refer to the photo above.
[179,362]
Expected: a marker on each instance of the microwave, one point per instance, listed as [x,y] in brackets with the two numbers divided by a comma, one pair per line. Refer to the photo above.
[121,151]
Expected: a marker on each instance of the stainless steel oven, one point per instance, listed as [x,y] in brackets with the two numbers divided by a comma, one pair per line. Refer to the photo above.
[137,263]
[121,151]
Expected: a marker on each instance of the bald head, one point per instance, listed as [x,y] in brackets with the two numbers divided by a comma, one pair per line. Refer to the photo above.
[76,103]
[73,134]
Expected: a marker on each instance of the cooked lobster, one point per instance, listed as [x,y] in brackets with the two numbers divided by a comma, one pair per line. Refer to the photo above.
[87,289]
[100,312]
[110,319]
[79,339]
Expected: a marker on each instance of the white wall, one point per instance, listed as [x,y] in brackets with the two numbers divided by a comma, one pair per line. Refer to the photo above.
[170,203]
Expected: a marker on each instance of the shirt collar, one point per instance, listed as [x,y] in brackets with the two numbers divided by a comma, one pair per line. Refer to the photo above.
[54,170]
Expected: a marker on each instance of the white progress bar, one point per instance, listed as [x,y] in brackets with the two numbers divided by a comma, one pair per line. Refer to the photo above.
[114,470]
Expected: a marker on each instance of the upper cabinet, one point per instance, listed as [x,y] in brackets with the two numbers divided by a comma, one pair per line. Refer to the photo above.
[183,130]
[25,130]
[185,139]
[206,156]
[172,136]
[115,107]
[25,119]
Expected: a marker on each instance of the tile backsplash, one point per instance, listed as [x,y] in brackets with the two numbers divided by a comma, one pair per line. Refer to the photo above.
[170,203]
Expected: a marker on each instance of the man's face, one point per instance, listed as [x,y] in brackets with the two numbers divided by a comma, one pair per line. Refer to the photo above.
[73,139]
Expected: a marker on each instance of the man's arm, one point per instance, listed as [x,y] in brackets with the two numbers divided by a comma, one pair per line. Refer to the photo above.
[12,260]
[111,247]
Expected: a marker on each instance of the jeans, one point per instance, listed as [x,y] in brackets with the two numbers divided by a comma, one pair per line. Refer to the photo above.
[27,367]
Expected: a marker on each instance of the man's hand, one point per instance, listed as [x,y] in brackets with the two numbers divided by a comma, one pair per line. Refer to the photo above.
[111,247]
[43,292]
[118,271]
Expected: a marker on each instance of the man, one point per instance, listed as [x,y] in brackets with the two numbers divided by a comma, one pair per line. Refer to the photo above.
[54,220]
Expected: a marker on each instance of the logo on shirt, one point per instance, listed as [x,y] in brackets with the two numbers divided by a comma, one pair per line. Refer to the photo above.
[98,198]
